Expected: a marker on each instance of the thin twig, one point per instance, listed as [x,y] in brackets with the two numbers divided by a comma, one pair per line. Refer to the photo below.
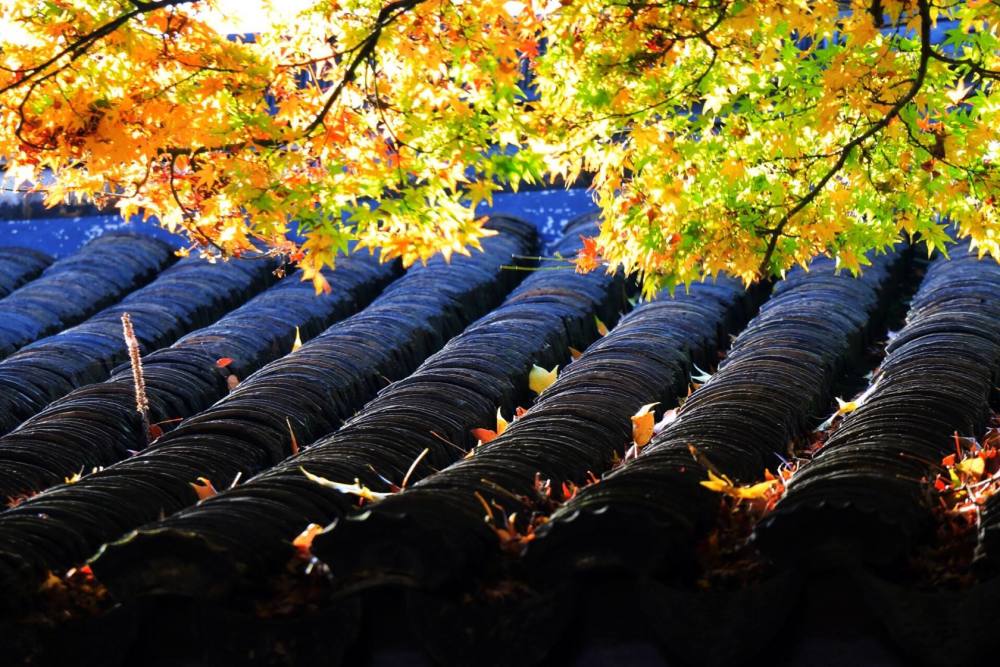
[413,466]
[926,51]
[141,399]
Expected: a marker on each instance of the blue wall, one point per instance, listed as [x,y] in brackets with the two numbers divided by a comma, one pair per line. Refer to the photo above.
[548,209]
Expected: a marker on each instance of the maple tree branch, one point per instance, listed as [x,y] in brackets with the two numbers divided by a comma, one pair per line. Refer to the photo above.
[19,130]
[967,62]
[35,76]
[936,151]
[668,37]
[385,17]
[380,109]
[188,215]
[363,52]
[690,87]
[185,213]
[83,44]
[917,83]
[173,188]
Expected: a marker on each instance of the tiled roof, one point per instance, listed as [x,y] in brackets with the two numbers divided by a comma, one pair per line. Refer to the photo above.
[353,513]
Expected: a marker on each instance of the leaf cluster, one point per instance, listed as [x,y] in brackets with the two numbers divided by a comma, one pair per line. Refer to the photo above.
[717,135]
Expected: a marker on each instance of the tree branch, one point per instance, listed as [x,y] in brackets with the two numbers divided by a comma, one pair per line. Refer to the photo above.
[967,62]
[926,52]
[386,16]
[364,50]
[81,45]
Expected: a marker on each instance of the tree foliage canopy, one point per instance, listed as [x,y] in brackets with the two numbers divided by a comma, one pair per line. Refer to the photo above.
[719,135]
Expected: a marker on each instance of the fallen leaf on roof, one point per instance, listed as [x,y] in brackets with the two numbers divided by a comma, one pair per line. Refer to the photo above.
[643,422]
[846,407]
[356,489]
[483,435]
[717,483]
[303,541]
[759,491]
[540,379]
[204,488]
[502,423]
[973,467]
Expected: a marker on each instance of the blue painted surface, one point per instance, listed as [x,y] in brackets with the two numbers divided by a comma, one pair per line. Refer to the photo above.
[547,209]
[59,236]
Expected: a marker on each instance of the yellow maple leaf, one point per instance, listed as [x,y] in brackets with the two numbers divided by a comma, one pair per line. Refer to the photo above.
[502,423]
[480,191]
[320,284]
[732,170]
[755,491]
[716,99]
[846,407]
[973,467]
[958,94]
[862,30]
[206,175]
[717,483]
[722,484]
[540,379]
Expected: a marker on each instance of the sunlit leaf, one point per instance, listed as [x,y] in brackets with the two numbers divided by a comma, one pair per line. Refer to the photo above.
[204,488]
[742,138]
[642,425]
[484,435]
[846,407]
[355,489]
[540,379]
[303,541]
[973,467]
[718,483]
[502,423]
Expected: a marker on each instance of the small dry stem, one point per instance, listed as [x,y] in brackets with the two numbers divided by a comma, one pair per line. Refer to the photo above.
[141,400]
